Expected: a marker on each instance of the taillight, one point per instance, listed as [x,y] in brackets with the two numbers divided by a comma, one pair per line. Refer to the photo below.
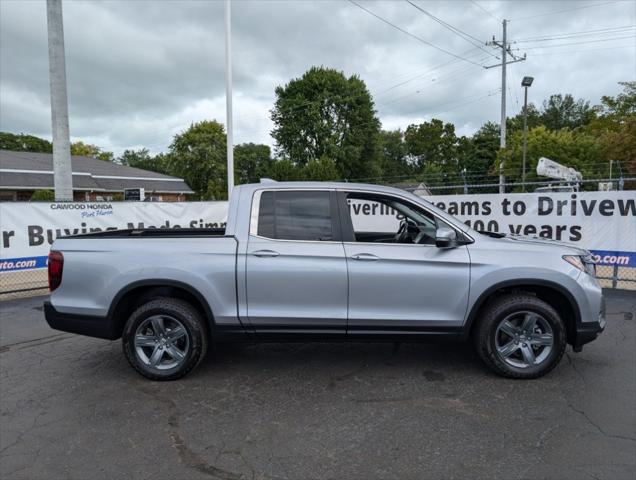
[56,265]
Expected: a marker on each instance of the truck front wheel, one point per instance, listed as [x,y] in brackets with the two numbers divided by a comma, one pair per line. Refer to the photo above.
[520,336]
[164,339]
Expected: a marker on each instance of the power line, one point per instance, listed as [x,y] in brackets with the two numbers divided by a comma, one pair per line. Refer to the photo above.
[421,74]
[337,98]
[580,43]
[467,54]
[489,94]
[437,106]
[461,73]
[461,101]
[460,33]
[583,50]
[406,32]
[559,36]
[556,12]
[484,10]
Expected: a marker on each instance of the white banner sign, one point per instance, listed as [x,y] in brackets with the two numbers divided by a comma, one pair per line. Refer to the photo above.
[28,229]
[603,222]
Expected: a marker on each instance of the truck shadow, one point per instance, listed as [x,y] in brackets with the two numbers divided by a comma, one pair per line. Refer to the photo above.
[433,361]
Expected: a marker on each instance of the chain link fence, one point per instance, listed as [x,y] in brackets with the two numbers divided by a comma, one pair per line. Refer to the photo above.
[455,186]
[23,283]
[613,276]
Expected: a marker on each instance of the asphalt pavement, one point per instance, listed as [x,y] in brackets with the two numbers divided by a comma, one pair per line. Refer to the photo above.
[72,408]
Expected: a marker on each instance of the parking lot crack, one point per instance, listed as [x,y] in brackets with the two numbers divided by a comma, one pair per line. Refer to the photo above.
[193,460]
[35,342]
[187,456]
[596,426]
[545,435]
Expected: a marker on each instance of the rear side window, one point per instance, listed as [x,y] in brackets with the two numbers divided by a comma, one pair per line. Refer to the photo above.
[295,216]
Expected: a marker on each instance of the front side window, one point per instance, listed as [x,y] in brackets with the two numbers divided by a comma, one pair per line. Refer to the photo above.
[295,215]
[386,219]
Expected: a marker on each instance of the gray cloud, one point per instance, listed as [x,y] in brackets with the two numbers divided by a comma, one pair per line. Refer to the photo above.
[141,71]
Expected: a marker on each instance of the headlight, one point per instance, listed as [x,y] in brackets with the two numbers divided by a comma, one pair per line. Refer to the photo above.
[582,262]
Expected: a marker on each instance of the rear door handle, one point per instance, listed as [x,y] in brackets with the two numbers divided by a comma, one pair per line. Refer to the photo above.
[265,253]
[365,256]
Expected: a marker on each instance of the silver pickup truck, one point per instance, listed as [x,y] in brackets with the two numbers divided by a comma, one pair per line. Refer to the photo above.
[325,261]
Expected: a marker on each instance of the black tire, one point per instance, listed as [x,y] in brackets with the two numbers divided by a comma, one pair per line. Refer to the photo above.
[485,335]
[179,313]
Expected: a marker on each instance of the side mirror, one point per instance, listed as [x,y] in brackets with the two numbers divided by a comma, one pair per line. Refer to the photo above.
[445,238]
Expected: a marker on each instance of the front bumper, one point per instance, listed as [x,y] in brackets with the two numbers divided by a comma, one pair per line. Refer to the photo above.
[90,326]
[588,331]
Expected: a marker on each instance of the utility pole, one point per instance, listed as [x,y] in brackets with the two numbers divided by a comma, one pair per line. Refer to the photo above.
[62,170]
[228,99]
[505,50]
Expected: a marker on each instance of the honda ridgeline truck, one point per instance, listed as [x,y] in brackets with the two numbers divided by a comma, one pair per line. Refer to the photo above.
[325,261]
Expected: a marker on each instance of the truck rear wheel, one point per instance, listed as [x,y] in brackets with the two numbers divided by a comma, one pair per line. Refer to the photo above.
[164,339]
[520,336]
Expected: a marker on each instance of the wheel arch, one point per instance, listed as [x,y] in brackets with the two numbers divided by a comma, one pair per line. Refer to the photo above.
[552,293]
[134,294]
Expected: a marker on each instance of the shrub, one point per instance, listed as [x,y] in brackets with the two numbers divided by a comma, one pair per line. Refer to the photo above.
[43,196]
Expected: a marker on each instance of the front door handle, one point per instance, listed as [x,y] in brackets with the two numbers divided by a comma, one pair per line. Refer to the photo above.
[265,253]
[365,256]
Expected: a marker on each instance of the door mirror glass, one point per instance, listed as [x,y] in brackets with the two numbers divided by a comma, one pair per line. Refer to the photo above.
[445,237]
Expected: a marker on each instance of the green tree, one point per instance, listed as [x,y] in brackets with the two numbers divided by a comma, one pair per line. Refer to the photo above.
[251,162]
[43,196]
[478,155]
[142,159]
[198,155]
[515,123]
[284,170]
[622,106]
[433,144]
[321,170]
[576,149]
[87,150]
[562,111]
[24,143]
[324,114]
[394,160]
[615,128]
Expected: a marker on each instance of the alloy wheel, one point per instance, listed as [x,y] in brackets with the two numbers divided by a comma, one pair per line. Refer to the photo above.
[524,339]
[161,342]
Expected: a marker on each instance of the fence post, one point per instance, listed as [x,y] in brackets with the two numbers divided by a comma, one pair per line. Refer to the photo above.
[615,276]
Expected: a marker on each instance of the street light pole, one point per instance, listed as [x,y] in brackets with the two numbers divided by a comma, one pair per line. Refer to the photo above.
[228,99]
[526,82]
[62,170]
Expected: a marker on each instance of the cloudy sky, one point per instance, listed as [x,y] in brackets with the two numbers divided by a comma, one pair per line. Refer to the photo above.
[140,71]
